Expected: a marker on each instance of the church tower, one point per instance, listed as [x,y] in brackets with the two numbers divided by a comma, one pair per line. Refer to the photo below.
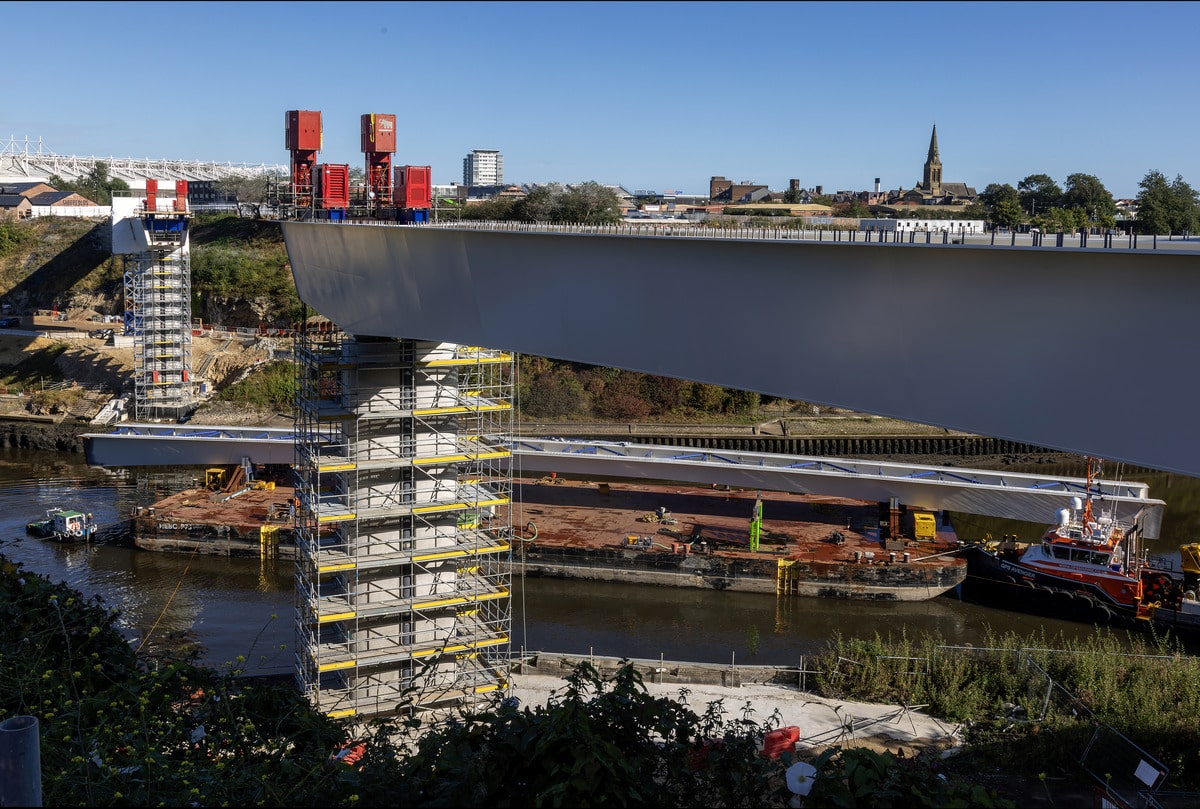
[932,182]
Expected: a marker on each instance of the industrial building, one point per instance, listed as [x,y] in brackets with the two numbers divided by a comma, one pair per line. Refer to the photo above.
[483,167]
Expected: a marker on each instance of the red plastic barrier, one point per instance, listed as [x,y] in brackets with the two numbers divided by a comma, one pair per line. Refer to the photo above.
[780,741]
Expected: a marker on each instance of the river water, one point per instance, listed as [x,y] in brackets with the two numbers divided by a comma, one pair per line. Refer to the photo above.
[243,608]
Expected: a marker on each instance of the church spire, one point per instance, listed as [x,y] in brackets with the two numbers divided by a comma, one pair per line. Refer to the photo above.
[932,179]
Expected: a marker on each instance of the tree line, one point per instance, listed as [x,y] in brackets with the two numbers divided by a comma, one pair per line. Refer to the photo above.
[1083,201]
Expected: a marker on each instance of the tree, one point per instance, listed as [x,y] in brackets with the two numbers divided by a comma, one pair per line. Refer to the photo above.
[1039,193]
[853,209]
[1166,207]
[1089,194]
[995,193]
[1003,204]
[248,193]
[975,210]
[1061,220]
[1007,213]
[96,185]
[1186,211]
[1154,203]
[586,203]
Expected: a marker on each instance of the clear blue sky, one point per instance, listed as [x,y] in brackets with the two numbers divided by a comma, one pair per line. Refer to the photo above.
[649,95]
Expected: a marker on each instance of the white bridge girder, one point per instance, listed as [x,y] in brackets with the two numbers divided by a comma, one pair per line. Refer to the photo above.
[1016,496]
[1081,350]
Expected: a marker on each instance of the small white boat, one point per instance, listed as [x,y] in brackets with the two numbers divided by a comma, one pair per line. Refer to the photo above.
[64,525]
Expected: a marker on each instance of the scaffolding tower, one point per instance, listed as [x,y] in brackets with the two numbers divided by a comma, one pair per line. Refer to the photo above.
[158,309]
[404,525]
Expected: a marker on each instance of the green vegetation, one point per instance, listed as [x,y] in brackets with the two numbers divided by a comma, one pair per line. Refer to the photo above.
[243,258]
[270,386]
[97,185]
[550,389]
[15,236]
[1167,207]
[587,203]
[47,259]
[609,743]
[119,729]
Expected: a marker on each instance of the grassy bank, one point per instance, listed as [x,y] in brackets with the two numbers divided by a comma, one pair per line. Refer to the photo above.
[118,729]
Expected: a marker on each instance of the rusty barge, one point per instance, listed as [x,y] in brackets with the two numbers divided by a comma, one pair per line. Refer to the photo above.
[236,512]
[740,540]
[679,535]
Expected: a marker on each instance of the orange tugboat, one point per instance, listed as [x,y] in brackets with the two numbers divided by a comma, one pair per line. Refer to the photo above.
[1087,566]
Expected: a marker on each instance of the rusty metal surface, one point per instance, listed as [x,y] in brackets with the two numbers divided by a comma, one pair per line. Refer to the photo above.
[589,514]
[202,512]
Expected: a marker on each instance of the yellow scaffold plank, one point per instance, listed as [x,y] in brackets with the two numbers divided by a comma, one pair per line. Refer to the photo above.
[447,602]
[339,467]
[340,616]
[460,553]
[336,517]
[450,409]
[484,689]
[344,712]
[336,568]
[459,506]
[464,361]
[462,647]
[342,664]
[461,457]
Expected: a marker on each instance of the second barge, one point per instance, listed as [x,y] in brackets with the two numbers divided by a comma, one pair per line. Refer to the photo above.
[665,534]
[809,545]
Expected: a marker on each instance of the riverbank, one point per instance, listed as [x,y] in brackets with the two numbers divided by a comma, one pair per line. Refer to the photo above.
[901,730]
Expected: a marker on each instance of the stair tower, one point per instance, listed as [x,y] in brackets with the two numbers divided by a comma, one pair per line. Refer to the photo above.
[404,525]
[153,233]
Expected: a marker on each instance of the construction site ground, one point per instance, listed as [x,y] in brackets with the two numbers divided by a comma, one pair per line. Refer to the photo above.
[101,368]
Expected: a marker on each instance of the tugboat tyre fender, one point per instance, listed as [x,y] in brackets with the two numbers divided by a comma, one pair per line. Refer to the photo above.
[77,531]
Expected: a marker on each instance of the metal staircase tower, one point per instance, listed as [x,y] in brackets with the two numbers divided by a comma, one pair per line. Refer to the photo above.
[158,301]
[404,523]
